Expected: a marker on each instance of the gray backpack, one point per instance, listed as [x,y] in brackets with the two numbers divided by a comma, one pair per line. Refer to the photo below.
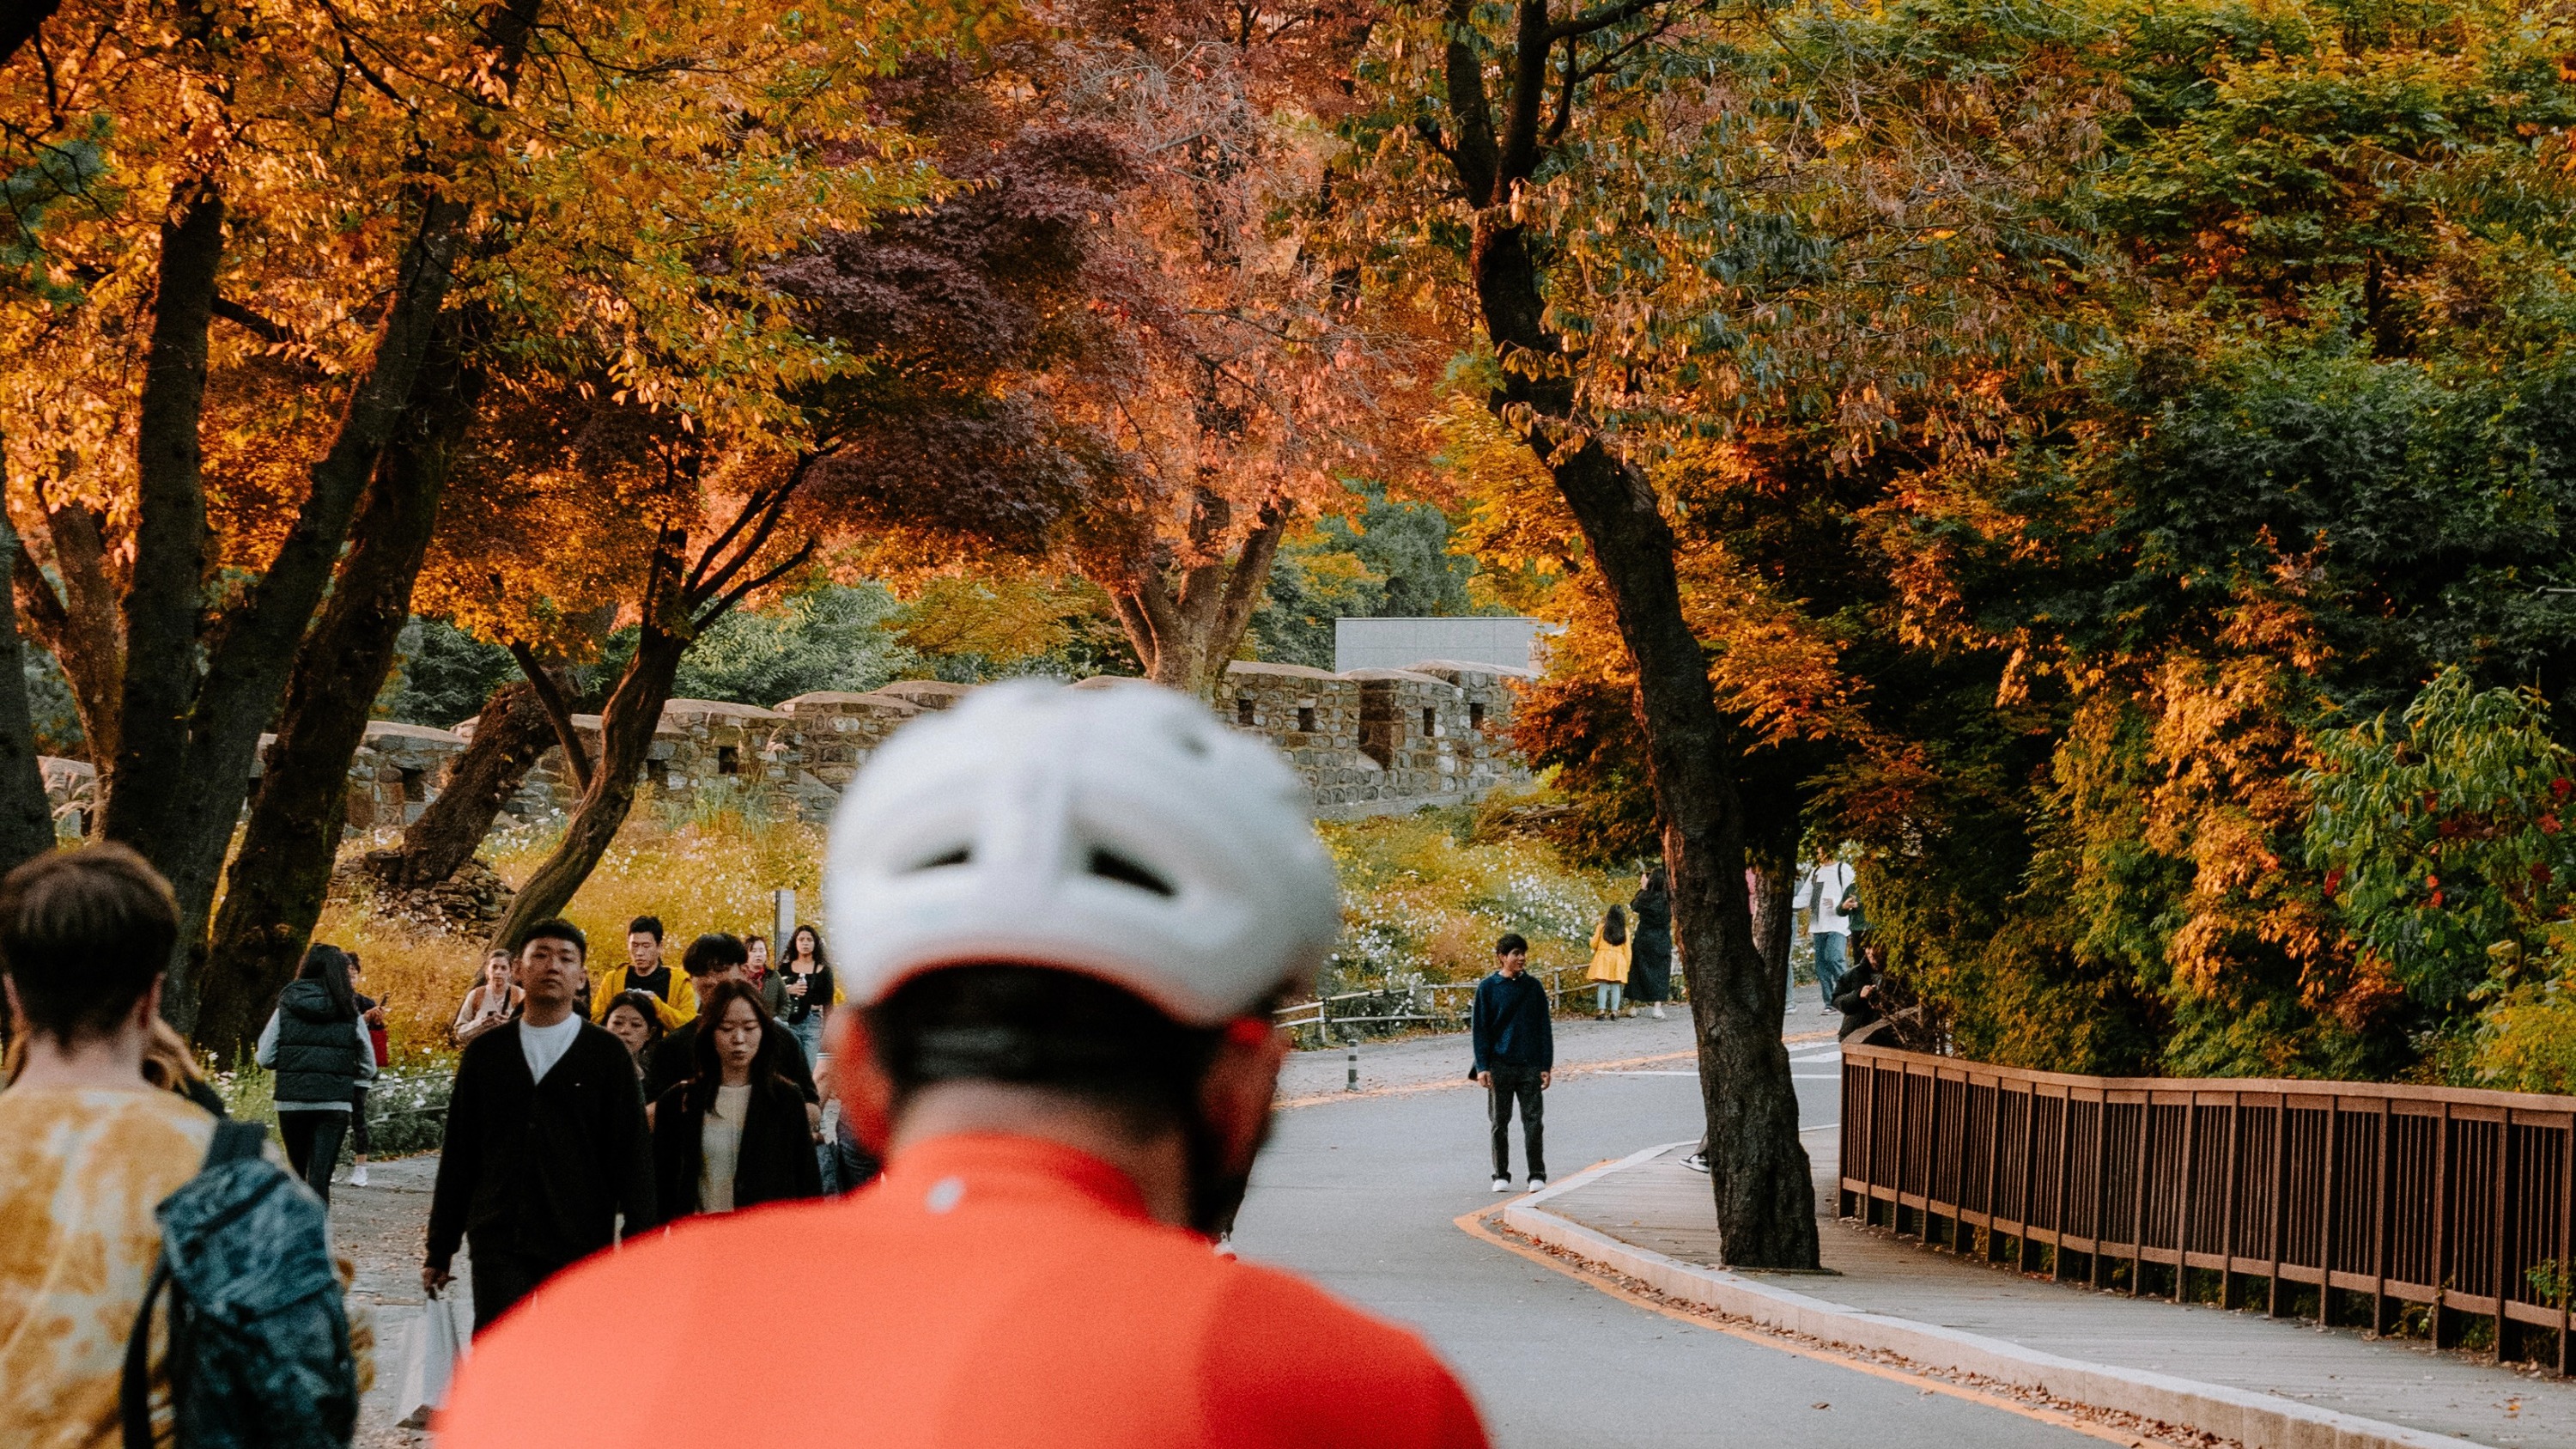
[259,1340]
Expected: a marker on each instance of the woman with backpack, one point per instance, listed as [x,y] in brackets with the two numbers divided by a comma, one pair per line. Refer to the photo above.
[734,1134]
[1610,955]
[317,1043]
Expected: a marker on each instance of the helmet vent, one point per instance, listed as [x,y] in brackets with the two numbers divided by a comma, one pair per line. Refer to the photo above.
[1110,865]
[958,856]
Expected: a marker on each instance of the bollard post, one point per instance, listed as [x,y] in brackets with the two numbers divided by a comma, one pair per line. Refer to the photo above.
[1352,1084]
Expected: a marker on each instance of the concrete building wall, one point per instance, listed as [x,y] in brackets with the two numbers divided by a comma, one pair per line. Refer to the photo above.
[1488,641]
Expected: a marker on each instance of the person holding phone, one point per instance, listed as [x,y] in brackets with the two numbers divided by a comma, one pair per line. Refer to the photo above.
[806,975]
[491,1001]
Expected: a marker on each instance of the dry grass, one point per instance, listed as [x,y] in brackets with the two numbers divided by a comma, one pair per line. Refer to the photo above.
[710,869]
[1424,899]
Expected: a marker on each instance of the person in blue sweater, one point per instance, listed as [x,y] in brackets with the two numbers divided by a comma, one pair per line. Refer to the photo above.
[1515,1057]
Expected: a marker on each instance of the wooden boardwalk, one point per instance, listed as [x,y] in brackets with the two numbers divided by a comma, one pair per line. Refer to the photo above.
[1663,1206]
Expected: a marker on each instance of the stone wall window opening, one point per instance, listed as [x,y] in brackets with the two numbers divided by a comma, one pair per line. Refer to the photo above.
[659,773]
[1306,719]
[1430,723]
[1243,712]
[728,759]
[415,784]
[1476,717]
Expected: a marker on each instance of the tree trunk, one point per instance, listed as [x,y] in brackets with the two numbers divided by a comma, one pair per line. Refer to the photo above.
[626,726]
[26,816]
[510,736]
[1186,630]
[187,736]
[1758,1169]
[79,626]
[1774,881]
[274,891]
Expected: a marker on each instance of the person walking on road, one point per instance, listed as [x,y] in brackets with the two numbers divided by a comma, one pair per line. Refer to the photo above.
[734,1135]
[89,1149]
[646,971]
[489,1004]
[1650,938]
[1828,897]
[1515,1058]
[546,1150]
[317,1043]
[631,1019]
[1065,917]
[806,975]
[1610,957]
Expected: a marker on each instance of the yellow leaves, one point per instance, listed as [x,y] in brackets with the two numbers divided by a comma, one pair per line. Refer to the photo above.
[1005,620]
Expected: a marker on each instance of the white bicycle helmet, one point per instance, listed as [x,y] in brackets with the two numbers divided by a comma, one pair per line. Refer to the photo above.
[1121,832]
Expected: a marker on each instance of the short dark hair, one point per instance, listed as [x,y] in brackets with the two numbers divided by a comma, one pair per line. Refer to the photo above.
[1041,1027]
[554,928]
[83,935]
[1511,942]
[712,952]
[648,925]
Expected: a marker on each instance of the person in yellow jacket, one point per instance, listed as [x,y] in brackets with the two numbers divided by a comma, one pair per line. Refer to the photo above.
[1610,957]
[674,1000]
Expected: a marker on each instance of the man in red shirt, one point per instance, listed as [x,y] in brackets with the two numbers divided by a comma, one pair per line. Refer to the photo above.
[1064,917]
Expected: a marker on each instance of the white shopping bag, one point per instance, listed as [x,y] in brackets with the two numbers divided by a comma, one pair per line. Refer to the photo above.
[437,1345]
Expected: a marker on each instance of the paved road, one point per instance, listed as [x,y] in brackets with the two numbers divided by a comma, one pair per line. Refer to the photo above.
[1362,1194]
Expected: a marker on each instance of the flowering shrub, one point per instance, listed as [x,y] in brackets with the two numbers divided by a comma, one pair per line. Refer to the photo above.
[1423,900]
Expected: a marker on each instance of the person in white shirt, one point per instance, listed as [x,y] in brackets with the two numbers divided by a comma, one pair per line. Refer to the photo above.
[1828,899]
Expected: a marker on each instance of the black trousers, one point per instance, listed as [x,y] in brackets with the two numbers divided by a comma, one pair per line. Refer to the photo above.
[501,1279]
[1512,1082]
[358,1120]
[313,1145]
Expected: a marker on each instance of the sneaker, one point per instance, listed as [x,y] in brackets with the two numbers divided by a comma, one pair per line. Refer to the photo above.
[359,1177]
[1659,1011]
[1537,1183]
[1696,1162]
[1225,1246]
[1502,1184]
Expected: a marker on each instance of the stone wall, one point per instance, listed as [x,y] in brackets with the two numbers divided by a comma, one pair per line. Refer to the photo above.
[1369,742]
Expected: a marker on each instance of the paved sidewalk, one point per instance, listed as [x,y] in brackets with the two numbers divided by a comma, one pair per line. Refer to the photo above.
[1661,1206]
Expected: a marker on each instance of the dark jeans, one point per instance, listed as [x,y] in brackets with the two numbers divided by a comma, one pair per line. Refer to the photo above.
[501,1279]
[358,1121]
[1517,1082]
[313,1145]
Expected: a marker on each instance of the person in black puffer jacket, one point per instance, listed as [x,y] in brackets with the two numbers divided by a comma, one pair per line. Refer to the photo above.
[319,1048]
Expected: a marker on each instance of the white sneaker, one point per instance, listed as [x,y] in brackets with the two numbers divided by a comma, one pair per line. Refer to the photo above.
[1696,1162]
[1659,1011]
[1502,1184]
[359,1177]
[1225,1246]
[1536,1183]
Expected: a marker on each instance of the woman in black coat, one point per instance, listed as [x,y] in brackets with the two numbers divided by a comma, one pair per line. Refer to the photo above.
[1650,961]
[734,1134]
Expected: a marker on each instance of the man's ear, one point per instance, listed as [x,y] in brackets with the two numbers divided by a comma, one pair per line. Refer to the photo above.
[866,1092]
[149,1007]
[1235,1096]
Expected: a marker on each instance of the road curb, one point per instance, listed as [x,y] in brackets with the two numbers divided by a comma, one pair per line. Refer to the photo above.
[2259,1421]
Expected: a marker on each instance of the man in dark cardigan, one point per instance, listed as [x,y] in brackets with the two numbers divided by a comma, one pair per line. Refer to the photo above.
[546,1146]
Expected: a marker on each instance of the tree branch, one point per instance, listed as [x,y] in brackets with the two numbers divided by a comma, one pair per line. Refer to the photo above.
[558,713]
[1601,19]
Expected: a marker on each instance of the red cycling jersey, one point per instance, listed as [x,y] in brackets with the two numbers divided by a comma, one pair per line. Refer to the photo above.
[989,1291]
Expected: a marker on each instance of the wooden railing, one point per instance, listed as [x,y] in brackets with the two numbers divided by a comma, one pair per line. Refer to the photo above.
[2379,1197]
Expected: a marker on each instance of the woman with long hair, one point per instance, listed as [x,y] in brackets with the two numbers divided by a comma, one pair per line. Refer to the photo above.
[491,1001]
[318,1045]
[1610,954]
[734,1134]
[807,975]
[1650,939]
